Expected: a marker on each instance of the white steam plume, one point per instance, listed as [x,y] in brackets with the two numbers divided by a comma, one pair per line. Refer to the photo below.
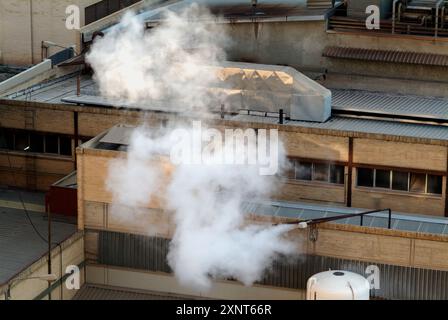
[160,67]
[211,238]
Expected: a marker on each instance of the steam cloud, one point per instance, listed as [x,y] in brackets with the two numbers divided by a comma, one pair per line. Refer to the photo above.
[212,238]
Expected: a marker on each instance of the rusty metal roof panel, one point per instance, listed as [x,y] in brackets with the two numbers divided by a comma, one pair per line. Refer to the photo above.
[388,104]
[391,56]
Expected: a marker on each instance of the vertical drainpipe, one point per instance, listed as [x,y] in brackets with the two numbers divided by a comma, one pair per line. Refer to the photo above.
[446,185]
[75,134]
[31,31]
[350,172]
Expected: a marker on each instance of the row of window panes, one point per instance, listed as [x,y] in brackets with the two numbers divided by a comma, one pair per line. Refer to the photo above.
[399,180]
[35,142]
[323,172]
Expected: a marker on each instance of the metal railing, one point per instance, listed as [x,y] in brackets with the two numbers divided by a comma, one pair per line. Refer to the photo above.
[312,222]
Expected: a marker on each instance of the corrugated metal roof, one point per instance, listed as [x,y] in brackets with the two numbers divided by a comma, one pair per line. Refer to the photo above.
[20,246]
[390,104]
[392,56]
[96,292]
[351,124]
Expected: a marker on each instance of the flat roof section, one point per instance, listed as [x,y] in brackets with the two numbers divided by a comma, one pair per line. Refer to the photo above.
[20,246]
[387,109]
[54,91]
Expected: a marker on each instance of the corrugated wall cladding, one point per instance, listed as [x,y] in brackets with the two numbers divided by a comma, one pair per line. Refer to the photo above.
[147,253]
[133,251]
[392,56]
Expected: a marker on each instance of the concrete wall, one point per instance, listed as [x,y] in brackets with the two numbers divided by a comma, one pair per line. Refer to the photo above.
[395,247]
[93,171]
[161,282]
[21,46]
[25,76]
[297,44]
[47,169]
[381,246]
[323,145]
[301,44]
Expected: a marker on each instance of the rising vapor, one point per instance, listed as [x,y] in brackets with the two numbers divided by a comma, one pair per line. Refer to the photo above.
[212,238]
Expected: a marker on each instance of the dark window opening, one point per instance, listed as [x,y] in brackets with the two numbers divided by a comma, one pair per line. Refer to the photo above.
[417,182]
[36,143]
[289,171]
[435,184]
[21,141]
[303,170]
[321,172]
[336,174]
[6,140]
[400,180]
[382,179]
[65,146]
[51,144]
[365,177]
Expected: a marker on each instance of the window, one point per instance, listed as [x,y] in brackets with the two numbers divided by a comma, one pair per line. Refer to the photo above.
[6,139]
[303,170]
[336,174]
[31,141]
[400,180]
[365,177]
[65,146]
[316,171]
[36,143]
[382,179]
[434,184]
[417,182]
[321,172]
[51,144]
[21,141]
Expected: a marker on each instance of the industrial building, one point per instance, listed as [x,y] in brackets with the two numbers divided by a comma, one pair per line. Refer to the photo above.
[377,140]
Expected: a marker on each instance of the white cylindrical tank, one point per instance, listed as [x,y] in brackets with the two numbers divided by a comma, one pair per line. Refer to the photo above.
[337,285]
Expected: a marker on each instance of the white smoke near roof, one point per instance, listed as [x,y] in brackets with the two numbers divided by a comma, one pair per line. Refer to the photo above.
[212,238]
[165,65]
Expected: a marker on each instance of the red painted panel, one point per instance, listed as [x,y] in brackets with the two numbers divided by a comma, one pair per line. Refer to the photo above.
[62,201]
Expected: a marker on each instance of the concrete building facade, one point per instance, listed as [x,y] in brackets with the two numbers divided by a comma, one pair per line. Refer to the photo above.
[24,24]
[153,227]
